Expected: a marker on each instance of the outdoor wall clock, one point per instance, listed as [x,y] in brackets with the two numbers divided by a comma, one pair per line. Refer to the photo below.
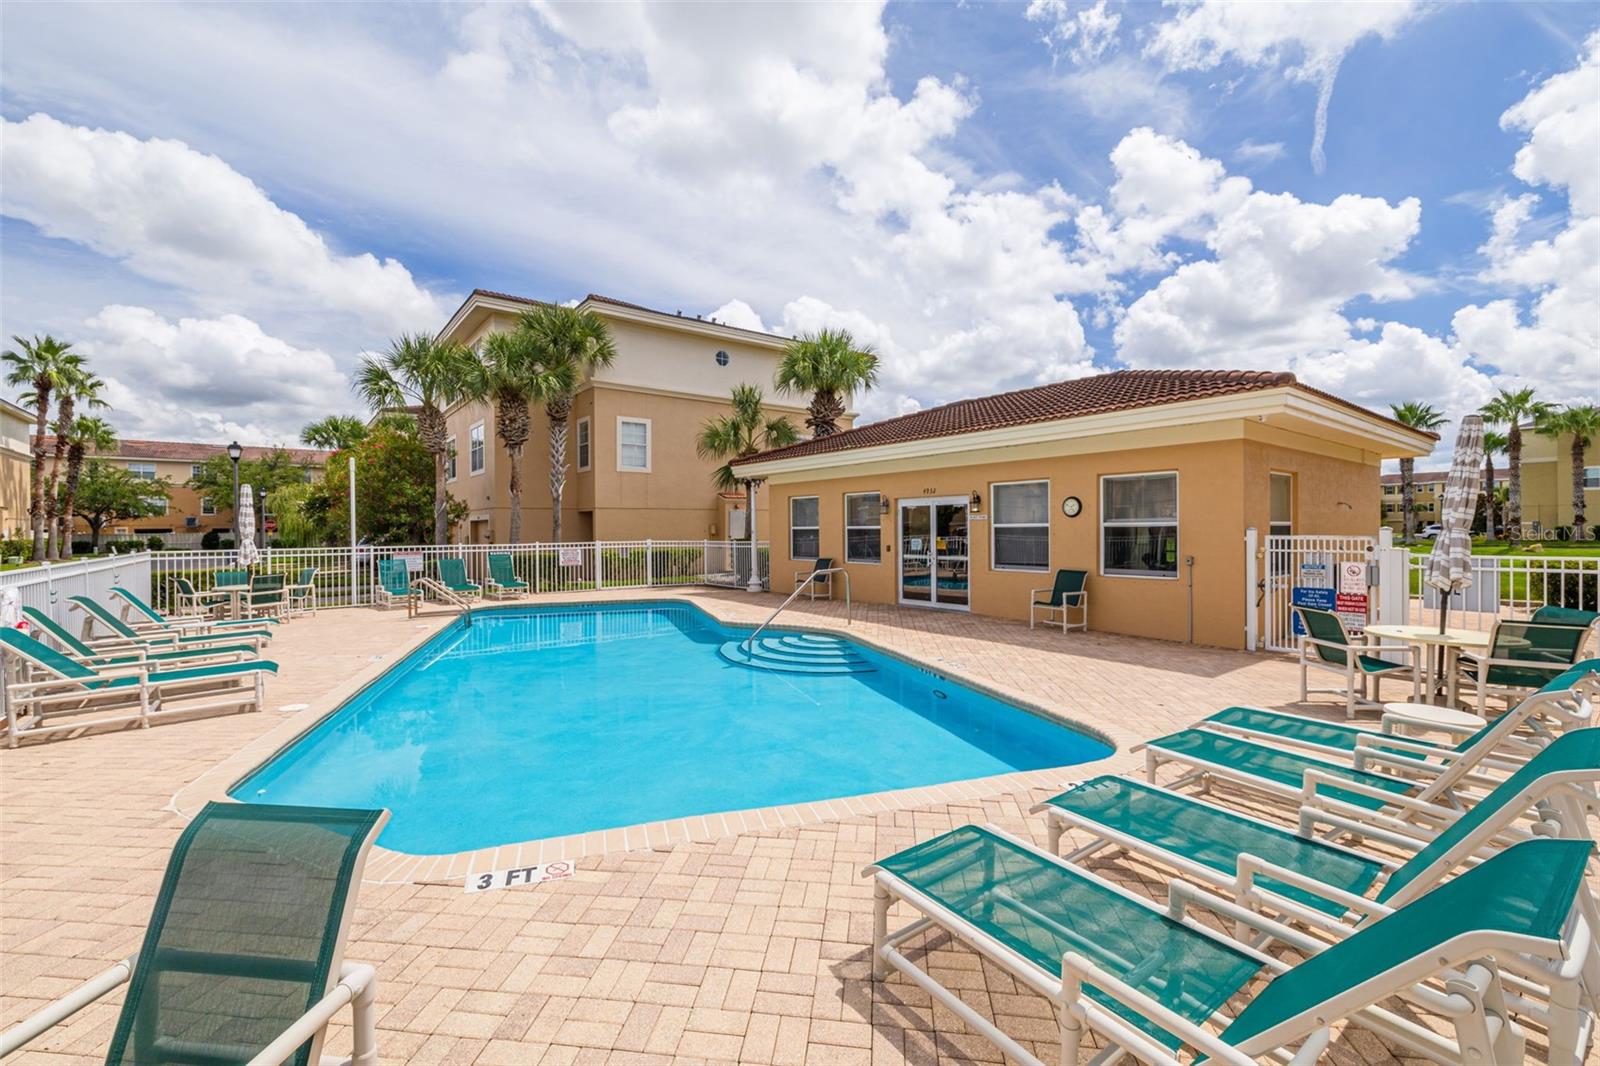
[1071,507]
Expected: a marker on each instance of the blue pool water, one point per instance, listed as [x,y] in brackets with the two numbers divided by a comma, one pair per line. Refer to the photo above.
[538,722]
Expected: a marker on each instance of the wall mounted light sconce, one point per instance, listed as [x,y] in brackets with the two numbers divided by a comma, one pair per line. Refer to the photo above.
[976,505]
[883,504]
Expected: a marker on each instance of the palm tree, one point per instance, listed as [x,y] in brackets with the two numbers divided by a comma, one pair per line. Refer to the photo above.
[1583,423]
[36,364]
[1510,409]
[89,435]
[747,431]
[76,385]
[509,373]
[1417,416]
[830,365]
[570,345]
[430,375]
[1493,441]
[335,432]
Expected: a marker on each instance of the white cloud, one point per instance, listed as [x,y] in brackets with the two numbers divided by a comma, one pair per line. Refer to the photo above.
[1308,39]
[188,219]
[1083,35]
[1249,153]
[208,378]
[740,314]
[1562,120]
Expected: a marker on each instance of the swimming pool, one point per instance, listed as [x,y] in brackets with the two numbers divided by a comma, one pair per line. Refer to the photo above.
[537,722]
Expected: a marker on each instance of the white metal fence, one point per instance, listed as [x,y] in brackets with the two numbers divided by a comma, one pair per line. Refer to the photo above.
[1509,586]
[48,586]
[345,577]
[1310,568]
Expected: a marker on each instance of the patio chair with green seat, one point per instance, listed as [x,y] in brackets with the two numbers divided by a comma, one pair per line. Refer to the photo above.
[1312,880]
[302,594]
[190,600]
[140,615]
[96,613]
[393,584]
[123,654]
[54,685]
[822,582]
[503,580]
[231,577]
[1068,593]
[243,958]
[267,599]
[453,576]
[1152,980]
[1326,645]
[1524,655]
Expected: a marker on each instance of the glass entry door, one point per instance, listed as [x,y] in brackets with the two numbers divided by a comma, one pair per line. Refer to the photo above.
[933,552]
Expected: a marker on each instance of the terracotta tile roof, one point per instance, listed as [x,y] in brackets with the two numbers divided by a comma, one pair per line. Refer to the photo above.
[1120,390]
[188,451]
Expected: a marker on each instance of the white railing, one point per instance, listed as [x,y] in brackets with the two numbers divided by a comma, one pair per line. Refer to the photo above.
[345,577]
[1510,586]
[48,585]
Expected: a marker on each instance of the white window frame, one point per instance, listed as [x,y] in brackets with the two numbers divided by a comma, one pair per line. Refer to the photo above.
[649,445]
[583,443]
[450,469]
[993,525]
[138,468]
[208,506]
[876,527]
[150,506]
[1271,525]
[1591,477]
[817,527]
[1177,507]
[194,470]
[476,437]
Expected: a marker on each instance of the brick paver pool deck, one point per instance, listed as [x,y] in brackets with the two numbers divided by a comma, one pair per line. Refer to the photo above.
[748,945]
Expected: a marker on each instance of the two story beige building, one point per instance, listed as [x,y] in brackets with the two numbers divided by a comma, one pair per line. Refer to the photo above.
[632,468]
[1547,483]
[16,457]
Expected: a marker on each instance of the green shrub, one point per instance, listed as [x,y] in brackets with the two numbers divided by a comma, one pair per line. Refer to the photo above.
[155,543]
[14,546]
[211,540]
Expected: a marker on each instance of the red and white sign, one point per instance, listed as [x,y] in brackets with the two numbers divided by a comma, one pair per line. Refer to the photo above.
[519,876]
[1351,600]
[569,556]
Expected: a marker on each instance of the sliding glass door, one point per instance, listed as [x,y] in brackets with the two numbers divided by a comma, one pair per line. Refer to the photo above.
[933,552]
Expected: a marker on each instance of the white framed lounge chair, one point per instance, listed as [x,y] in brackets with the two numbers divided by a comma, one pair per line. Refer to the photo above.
[41,684]
[121,653]
[140,615]
[1326,645]
[503,582]
[1151,980]
[98,615]
[393,585]
[232,967]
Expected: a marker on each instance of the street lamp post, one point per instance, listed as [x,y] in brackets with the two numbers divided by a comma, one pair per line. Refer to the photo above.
[234,452]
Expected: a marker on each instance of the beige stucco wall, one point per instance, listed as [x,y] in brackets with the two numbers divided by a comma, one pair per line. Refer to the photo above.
[1222,488]
[16,431]
[1547,480]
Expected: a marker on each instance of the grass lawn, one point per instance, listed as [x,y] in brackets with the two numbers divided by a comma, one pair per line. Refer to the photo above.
[1586,549]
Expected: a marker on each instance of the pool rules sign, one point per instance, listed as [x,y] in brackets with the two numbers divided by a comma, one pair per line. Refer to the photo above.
[1351,599]
[518,876]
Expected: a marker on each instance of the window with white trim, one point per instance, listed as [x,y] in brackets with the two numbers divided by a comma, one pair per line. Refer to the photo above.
[144,470]
[805,527]
[194,471]
[863,541]
[1591,477]
[1139,525]
[156,506]
[633,444]
[475,449]
[584,443]
[1019,525]
[449,458]
[1280,515]
[208,505]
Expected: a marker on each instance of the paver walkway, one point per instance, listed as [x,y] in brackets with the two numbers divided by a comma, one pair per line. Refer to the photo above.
[749,947]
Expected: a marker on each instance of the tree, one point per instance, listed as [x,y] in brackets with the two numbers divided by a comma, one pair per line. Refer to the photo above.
[1493,441]
[430,375]
[270,472]
[109,493]
[747,431]
[335,432]
[90,435]
[37,364]
[1417,416]
[510,374]
[1510,409]
[830,365]
[571,345]
[394,495]
[76,385]
[1583,424]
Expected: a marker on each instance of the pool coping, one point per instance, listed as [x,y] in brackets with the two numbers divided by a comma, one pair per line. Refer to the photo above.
[388,866]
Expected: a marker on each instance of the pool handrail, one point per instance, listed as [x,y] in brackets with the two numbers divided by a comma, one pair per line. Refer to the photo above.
[423,585]
[749,641]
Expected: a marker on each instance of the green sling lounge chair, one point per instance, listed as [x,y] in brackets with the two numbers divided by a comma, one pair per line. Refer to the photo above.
[1523,656]
[453,576]
[53,685]
[94,658]
[139,614]
[243,959]
[1152,980]
[303,592]
[1326,884]
[1068,593]
[1327,646]
[267,600]
[97,614]
[191,601]
[503,579]
[394,584]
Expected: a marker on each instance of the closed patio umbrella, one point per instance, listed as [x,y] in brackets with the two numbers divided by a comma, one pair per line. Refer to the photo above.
[1450,566]
[248,552]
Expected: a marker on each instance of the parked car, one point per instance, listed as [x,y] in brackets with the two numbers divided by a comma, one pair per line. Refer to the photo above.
[1431,530]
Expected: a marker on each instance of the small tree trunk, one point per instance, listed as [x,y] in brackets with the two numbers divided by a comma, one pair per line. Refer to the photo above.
[1407,499]
[52,497]
[514,453]
[441,502]
[1489,505]
[1578,515]
[558,463]
[41,391]
[94,533]
[1514,501]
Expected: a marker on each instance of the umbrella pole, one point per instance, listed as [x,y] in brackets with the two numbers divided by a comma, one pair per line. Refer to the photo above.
[1444,613]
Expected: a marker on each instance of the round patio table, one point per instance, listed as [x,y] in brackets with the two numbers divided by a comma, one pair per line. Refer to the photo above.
[1453,641]
[1428,716]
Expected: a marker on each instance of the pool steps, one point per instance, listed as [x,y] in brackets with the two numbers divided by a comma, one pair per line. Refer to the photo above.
[797,653]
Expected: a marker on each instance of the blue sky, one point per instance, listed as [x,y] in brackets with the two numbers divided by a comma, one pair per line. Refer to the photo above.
[994,195]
